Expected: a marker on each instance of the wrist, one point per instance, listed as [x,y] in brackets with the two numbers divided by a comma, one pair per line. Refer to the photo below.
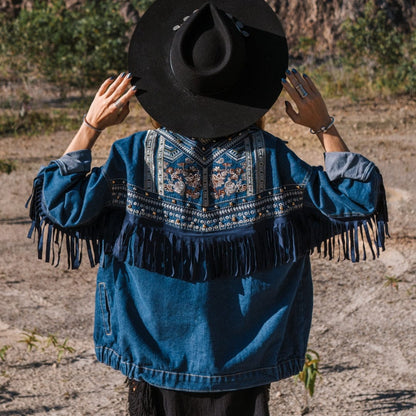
[332,141]
[324,127]
[92,126]
[331,131]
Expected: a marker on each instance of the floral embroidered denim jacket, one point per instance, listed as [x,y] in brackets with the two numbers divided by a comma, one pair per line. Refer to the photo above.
[204,281]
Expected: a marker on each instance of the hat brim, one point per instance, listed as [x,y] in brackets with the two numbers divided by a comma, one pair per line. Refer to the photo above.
[222,114]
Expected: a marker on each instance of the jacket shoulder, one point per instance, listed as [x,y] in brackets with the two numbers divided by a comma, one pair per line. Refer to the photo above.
[290,166]
[134,141]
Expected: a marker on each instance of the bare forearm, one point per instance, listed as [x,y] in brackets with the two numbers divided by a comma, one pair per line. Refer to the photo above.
[312,111]
[332,141]
[109,107]
[84,139]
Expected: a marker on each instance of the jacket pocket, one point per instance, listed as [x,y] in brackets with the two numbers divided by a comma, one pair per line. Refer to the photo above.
[105,308]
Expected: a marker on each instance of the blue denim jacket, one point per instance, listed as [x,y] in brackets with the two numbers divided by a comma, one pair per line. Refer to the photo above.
[204,281]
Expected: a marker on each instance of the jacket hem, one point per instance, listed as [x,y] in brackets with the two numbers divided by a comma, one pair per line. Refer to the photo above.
[197,382]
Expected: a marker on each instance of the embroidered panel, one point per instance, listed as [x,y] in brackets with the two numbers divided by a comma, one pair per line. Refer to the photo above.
[182,179]
[192,217]
[260,160]
[249,167]
[228,177]
[204,152]
[206,185]
[210,170]
[160,165]
[149,164]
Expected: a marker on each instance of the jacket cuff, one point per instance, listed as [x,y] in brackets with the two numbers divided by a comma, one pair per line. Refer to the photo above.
[75,162]
[347,165]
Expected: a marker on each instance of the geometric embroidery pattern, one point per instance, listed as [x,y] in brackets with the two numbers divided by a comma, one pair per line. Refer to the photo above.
[205,185]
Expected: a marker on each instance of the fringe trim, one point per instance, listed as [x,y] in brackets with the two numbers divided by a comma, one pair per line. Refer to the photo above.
[201,257]
[51,238]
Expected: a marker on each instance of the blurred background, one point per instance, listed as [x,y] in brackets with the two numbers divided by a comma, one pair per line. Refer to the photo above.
[354,47]
[362,55]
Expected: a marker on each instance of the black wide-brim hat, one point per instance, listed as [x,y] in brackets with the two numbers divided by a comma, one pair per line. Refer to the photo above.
[208,69]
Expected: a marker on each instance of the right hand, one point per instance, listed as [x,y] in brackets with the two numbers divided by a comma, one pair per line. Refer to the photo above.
[312,111]
[104,112]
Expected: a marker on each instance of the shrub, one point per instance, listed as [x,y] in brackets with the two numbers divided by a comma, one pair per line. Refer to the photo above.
[142,5]
[70,48]
[6,166]
[372,38]
[407,68]
[36,122]
[373,46]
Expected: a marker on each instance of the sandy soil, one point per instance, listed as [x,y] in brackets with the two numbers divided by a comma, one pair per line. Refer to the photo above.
[363,329]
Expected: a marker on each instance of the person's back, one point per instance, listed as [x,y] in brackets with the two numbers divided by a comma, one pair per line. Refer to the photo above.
[204,290]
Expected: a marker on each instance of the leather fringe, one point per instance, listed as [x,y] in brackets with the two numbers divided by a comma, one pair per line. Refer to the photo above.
[200,257]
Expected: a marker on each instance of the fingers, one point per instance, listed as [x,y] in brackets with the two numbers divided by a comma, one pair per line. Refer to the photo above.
[291,112]
[311,84]
[115,84]
[119,87]
[300,86]
[124,112]
[297,79]
[124,99]
[105,85]
[291,91]
[312,110]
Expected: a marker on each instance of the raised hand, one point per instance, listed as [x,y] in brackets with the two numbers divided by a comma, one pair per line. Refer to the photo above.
[109,107]
[312,111]
[111,103]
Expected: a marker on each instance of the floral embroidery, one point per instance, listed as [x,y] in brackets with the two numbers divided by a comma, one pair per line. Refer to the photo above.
[227,180]
[209,173]
[183,179]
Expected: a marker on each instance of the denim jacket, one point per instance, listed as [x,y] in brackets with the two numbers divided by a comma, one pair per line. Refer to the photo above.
[204,281]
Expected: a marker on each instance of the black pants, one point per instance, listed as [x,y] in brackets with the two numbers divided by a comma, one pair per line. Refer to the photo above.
[147,400]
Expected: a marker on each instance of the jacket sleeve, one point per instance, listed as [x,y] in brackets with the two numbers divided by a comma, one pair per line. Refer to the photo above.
[67,202]
[347,205]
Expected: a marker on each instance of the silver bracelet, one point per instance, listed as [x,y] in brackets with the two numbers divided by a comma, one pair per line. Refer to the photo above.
[84,120]
[324,129]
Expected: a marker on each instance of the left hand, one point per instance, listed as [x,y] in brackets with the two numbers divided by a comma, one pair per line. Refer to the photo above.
[111,103]
[312,111]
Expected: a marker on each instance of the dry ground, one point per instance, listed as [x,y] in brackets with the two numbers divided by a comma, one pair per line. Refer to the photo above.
[363,330]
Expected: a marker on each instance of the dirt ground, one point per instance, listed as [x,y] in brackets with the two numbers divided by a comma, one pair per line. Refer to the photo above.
[363,328]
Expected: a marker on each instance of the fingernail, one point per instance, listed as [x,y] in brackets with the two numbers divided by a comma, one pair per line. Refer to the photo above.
[305,76]
[122,74]
[287,103]
[284,81]
[129,75]
[134,88]
[288,72]
[112,77]
[294,71]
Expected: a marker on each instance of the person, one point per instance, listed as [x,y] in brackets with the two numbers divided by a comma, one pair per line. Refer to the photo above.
[203,227]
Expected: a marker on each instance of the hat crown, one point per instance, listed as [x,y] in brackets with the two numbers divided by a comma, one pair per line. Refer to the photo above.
[207,52]
[208,73]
